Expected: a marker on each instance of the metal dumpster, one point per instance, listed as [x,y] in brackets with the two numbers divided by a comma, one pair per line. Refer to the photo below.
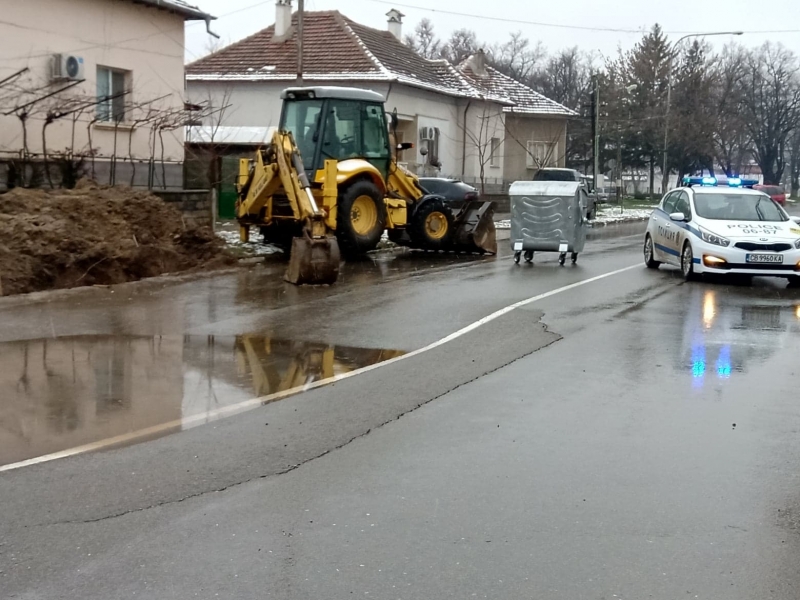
[548,216]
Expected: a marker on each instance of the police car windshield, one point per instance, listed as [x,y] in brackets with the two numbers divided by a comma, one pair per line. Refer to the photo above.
[737,207]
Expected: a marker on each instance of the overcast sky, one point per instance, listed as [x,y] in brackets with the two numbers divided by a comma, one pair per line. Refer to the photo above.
[239,18]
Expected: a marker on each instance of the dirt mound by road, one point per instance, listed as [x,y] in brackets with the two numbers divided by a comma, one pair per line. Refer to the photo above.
[95,235]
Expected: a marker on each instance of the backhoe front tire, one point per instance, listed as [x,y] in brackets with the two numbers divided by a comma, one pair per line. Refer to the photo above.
[432,226]
[360,218]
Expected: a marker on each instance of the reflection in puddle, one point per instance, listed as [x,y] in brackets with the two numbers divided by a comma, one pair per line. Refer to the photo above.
[726,333]
[67,392]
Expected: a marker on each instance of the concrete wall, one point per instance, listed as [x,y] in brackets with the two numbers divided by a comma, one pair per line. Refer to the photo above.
[520,130]
[195,205]
[258,104]
[145,42]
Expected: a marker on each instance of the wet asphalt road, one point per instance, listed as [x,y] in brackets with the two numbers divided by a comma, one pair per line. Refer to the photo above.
[634,437]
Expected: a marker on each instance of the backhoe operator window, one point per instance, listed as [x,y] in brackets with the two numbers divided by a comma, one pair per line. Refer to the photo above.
[302,119]
[354,130]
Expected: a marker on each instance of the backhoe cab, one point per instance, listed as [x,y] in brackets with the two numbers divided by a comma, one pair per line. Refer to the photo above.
[329,182]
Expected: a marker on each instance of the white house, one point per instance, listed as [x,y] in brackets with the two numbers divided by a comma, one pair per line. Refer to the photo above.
[101,79]
[459,114]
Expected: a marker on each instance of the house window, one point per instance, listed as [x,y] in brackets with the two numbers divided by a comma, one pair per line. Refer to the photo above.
[541,154]
[111,85]
[494,153]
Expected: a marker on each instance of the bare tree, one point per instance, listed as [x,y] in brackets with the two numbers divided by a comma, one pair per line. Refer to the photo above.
[484,140]
[771,105]
[462,44]
[424,41]
[517,58]
[730,135]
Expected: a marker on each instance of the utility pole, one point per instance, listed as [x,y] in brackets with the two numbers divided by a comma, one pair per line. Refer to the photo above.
[300,12]
[596,129]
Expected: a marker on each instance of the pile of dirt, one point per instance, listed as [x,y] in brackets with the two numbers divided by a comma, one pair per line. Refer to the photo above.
[95,235]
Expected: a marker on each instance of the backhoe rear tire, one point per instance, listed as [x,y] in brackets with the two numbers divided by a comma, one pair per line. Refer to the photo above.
[360,218]
[432,226]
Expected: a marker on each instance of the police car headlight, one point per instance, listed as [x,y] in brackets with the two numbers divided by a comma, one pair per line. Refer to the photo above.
[797,243]
[712,238]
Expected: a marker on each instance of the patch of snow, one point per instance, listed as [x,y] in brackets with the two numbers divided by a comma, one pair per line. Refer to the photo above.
[613,215]
[232,240]
[504,224]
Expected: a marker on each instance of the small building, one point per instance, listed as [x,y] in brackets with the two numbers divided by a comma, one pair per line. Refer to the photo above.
[97,82]
[459,115]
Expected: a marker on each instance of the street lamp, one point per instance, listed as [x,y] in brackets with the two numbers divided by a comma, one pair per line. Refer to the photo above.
[664,176]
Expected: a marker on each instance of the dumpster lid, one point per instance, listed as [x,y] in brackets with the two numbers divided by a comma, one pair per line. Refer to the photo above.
[544,188]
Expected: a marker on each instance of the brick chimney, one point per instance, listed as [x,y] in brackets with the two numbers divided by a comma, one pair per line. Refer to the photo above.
[283,18]
[396,23]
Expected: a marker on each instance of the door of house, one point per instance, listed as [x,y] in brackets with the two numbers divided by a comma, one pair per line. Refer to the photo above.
[229,171]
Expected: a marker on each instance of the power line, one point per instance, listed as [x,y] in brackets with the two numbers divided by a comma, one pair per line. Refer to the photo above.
[554,25]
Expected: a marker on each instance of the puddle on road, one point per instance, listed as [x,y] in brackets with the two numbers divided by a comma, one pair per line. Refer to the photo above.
[61,393]
[726,332]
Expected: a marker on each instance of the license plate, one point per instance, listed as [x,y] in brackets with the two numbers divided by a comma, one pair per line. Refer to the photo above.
[765,258]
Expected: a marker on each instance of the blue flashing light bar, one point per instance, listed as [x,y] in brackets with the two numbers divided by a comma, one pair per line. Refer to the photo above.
[706,181]
[712,181]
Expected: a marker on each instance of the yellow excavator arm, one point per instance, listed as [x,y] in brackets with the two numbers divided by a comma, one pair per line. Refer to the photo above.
[278,169]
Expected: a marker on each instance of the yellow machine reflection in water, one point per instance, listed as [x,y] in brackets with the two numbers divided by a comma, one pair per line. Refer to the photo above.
[279,365]
[62,393]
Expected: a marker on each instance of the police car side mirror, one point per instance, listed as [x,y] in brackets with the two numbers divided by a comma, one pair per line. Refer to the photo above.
[796,220]
[678,216]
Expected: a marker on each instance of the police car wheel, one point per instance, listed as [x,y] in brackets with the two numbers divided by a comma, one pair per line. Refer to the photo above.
[687,263]
[649,254]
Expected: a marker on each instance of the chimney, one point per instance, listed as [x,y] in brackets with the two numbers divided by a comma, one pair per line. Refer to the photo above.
[477,64]
[396,23]
[283,18]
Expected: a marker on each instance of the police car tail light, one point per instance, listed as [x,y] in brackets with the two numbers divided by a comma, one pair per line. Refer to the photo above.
[714,262]
[712,238]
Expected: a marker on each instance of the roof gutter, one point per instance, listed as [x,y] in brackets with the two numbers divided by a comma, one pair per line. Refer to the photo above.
[189,13]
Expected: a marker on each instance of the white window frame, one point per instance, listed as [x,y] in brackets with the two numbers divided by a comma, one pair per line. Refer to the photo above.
[541,154]
[106,108]
[494,152]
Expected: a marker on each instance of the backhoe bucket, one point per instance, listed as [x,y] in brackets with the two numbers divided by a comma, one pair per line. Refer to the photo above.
[313,261]
[475,231]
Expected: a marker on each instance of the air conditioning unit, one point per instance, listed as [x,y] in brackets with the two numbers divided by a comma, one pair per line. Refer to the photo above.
[67,67]
[427,133]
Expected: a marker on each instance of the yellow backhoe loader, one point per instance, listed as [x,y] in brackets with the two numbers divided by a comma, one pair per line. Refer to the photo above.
[329,182]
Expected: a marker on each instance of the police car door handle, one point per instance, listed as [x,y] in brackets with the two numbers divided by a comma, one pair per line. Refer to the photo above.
[669,224]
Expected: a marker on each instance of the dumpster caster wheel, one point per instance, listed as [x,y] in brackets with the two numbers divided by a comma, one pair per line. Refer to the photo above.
[528,256]
[574,257]
[562,258]
[517,256]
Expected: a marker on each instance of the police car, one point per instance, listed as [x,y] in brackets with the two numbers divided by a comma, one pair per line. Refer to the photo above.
[705,228]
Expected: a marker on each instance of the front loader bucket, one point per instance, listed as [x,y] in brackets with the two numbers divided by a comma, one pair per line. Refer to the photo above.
[313,261]
[475,231]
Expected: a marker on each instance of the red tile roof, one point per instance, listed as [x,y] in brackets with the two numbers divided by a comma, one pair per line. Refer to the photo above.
[523,99]
[337,48]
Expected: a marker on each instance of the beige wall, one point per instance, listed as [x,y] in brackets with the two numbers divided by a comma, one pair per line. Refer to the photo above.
[112,33]
[258,104]
[520,130]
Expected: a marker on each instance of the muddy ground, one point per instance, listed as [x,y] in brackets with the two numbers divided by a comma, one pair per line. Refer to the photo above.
[95,235]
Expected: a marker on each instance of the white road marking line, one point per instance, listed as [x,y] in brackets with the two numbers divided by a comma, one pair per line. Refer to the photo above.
[196,420]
